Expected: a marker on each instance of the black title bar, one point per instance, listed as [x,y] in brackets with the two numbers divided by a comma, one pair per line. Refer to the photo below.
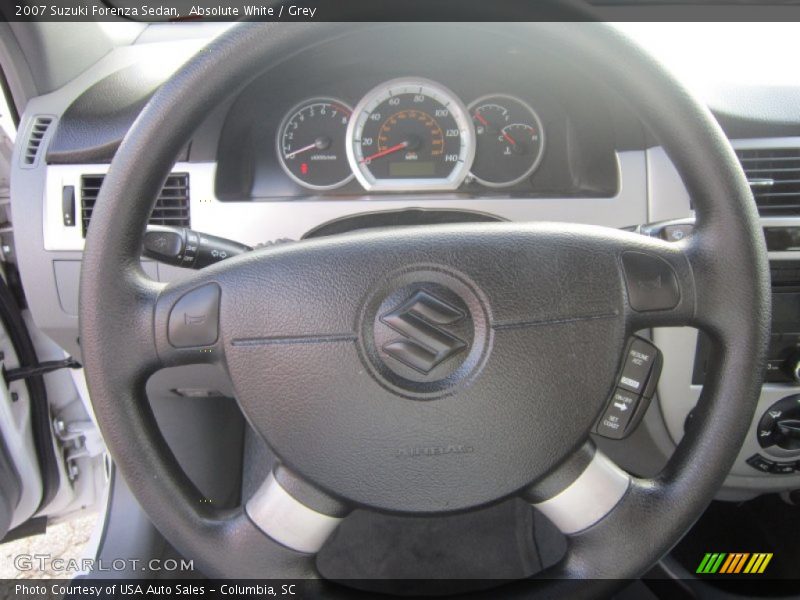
[398,10]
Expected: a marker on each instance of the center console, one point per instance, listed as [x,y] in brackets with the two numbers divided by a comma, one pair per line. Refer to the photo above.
[778,425]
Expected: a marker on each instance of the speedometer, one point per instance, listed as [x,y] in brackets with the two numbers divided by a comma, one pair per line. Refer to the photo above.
[410,134]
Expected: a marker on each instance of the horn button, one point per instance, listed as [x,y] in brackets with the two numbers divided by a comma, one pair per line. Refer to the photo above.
[419,387]
[424,332]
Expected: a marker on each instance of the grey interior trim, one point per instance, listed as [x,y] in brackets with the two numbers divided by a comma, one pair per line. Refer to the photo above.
[15,68]
[160,55]
[589,498]
[253,223]
[770,142]
[165,32]
[56,59]
[287,521]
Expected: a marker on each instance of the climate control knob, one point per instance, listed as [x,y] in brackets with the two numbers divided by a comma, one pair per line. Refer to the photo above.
[780,425]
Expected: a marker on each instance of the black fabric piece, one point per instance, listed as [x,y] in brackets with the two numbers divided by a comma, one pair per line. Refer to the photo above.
[492,544]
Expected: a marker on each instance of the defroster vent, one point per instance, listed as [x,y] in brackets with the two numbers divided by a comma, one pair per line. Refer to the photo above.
[172,206]
[38,130]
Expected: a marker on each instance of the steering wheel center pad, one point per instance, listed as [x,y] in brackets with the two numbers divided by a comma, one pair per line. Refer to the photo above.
[426,370]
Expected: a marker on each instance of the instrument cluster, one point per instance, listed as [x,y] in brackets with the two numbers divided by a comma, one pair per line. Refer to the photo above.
[410,134]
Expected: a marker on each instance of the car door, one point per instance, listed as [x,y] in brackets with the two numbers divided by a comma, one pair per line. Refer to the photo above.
[34,469]
[21,468]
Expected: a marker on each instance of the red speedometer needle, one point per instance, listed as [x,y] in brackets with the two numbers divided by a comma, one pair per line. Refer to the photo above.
[389,150]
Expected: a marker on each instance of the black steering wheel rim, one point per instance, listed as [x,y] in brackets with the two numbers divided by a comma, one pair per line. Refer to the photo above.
[120,346]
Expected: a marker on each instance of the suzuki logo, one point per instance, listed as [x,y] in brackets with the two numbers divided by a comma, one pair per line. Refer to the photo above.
[420,320]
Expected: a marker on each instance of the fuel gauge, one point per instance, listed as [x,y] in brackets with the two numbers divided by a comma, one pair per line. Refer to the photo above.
[510,140]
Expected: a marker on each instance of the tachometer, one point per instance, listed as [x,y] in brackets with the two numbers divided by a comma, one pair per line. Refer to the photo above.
[311,143]
[510,140]
[410,134]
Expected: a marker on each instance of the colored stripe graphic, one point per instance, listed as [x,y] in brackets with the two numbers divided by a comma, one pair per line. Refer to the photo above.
[703,563]
[758,563]
[732,559]
[741,562]
[734,563]
[711,562]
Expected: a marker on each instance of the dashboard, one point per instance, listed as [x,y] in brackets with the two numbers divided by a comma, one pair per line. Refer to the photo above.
[410,134]
[464,120]
[419,119]
[369,115]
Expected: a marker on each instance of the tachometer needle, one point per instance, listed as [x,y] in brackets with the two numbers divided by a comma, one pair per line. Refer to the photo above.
[301,150]
[323,142]
[389,150]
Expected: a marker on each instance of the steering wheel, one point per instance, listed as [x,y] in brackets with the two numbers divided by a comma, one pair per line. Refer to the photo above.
[432,369]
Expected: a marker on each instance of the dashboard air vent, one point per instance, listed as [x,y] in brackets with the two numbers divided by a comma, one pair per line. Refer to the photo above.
[172,206]
[38,131]
[774,176]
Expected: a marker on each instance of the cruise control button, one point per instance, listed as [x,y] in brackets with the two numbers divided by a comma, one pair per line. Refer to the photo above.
[651,282]
[638,364]
[194,320]
[618,414]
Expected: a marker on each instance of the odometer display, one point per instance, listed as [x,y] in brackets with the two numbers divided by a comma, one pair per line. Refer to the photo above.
[412,169]
[410,134]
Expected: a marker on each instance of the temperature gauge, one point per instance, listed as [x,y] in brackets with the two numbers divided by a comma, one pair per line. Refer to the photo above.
[510,140]
[311,144]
